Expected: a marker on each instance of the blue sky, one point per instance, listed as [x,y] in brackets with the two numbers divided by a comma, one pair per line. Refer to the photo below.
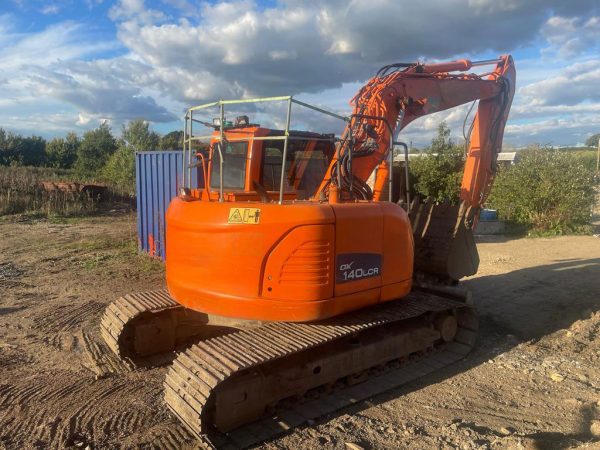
[67,65]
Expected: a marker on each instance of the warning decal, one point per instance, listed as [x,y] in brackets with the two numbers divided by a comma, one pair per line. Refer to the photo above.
[244,215]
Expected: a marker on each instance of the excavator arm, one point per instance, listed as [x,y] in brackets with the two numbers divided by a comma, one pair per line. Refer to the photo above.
[399,94]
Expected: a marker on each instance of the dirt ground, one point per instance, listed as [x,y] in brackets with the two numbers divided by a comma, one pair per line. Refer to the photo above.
[532,382]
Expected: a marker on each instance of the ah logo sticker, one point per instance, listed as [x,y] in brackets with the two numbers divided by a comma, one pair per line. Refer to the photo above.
[244,215]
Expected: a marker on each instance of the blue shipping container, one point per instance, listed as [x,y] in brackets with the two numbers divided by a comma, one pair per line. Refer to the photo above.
[158,177]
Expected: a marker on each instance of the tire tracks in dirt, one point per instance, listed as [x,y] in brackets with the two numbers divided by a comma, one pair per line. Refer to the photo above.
[68,317]
[100,359]
[31,406]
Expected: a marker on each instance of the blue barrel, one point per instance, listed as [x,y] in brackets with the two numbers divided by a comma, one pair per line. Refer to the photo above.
[488,215]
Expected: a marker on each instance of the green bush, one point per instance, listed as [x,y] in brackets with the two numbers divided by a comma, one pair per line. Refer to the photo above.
[438,174]
[120,169]
[586,157]
[172,141]
[548,191]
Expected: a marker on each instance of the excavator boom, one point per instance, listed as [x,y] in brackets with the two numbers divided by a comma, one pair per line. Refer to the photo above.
[399,94]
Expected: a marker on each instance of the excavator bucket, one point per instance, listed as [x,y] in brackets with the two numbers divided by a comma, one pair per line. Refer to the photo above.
[444,242]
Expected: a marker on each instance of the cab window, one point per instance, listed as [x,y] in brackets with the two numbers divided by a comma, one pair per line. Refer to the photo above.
[306,165]
[234,167]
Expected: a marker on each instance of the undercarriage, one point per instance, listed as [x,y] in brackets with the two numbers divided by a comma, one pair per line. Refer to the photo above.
[235,383]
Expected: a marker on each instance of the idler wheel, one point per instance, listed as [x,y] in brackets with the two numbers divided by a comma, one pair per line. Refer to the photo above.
[447,326]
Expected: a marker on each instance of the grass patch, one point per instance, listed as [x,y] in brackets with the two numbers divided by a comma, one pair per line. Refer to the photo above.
[105,255]
[21,192]
[63,220]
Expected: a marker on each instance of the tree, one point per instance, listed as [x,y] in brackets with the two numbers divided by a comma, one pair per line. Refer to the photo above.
[120,168]
[9,148]
[138,136]
[19,150]
[592,141]
[96,148]
[172,141]
[438,173]
[62,152]
[33,151]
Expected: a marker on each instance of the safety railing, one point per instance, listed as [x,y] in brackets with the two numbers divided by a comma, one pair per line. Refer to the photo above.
[189,138]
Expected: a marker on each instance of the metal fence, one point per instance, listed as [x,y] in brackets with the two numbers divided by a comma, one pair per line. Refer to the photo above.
[158,178]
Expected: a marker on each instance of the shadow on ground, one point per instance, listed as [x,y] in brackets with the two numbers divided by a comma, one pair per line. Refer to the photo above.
[529,304]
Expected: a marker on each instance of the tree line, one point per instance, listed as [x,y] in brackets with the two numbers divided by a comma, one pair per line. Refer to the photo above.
[549,190]
[97,154]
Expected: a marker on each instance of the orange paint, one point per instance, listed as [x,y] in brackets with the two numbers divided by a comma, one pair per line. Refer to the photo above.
[151,245]
[283,268]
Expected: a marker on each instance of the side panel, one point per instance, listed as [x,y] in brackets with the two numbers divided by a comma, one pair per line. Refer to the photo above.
[216,259]
[358,244]
[374,250]
[300,267]
[266,261]
[399,252]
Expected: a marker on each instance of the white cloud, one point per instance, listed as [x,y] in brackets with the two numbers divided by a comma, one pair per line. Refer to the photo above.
[236,48]
[324,50]
[551,130]
[526,111]
[59,42]
[134,10]
[42,68]
[183,5]
[96,89]
[283,54]
[571,36]
[575,84]
[41,123]
[52,8]
[83,119]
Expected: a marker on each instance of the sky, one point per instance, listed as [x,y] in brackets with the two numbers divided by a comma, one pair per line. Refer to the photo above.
[68,65]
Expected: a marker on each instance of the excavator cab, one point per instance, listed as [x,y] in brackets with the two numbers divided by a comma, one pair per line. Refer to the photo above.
[253,161]
[258,242]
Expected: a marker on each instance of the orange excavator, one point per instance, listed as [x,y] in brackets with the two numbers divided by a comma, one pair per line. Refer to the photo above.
[294,285]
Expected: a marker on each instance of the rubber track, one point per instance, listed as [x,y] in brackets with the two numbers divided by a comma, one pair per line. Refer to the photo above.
[121,313]
[198,370]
